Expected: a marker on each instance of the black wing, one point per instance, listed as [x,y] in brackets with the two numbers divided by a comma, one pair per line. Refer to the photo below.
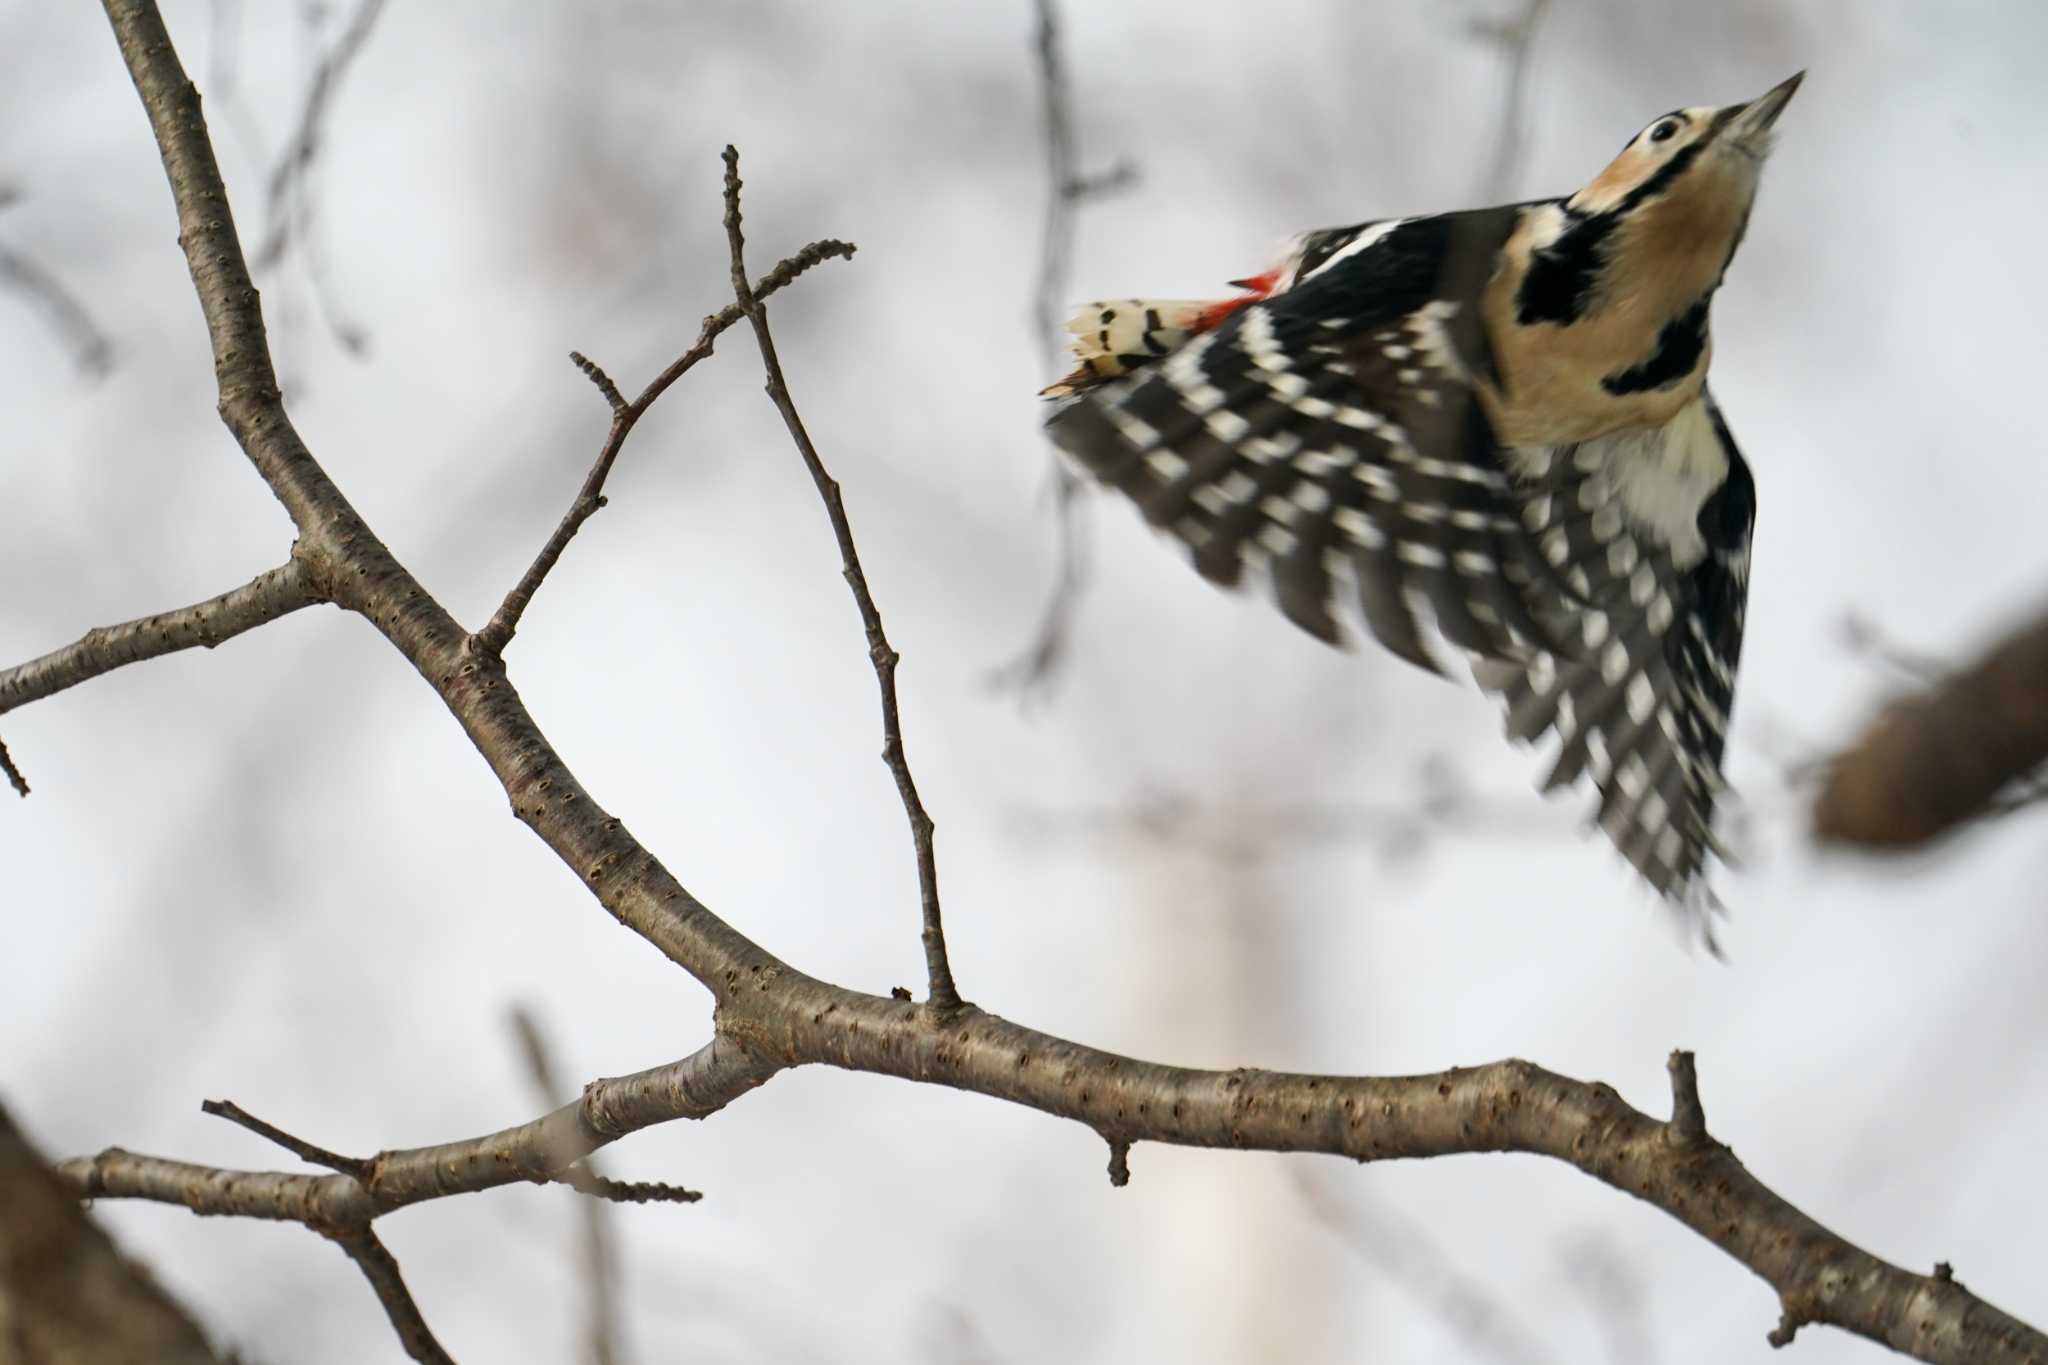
[1332,432]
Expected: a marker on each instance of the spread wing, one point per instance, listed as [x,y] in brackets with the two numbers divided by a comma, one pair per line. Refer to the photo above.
[1329,433]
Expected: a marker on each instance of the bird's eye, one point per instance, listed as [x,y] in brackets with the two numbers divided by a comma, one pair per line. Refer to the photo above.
[1664,131]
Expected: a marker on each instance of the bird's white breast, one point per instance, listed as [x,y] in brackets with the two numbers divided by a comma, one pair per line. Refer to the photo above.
[1661,475]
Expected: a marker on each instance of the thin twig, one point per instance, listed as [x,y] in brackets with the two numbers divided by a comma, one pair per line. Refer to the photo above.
[941,993]
[581,1179]
[271,594]
[298,1147]
[598,377]
[600,1279]
[92,350]
[504,622]
[14,777]
[380,1268]
[1066,189]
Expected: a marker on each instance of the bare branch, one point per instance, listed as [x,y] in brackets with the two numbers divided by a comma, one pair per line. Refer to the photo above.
[298,1147]
[504,622]
[1945,755]
[380,1268]
[940,990]
[271,594]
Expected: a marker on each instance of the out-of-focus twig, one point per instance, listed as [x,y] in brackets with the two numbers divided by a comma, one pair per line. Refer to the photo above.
[295,163]
[1398,829]
[1867,639]
[1516,37]
[291,209]
[1066,189]
[92,350]
[600,1275]
[1614,1291]
[1403,1251]
[1973,743]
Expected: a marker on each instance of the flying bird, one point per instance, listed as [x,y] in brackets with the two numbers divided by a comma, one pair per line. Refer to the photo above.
[1499,417]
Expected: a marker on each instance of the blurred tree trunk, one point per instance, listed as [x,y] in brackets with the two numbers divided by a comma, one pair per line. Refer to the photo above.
[67,1297]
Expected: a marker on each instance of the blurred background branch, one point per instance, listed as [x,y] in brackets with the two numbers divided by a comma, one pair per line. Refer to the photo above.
[600,1256]
[1068,187]
[1965,745]
[92,350]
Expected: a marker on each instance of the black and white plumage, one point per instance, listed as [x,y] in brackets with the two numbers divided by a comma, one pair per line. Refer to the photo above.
[1499,417]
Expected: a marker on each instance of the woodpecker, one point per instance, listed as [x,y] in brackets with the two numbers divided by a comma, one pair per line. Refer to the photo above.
[1499,416]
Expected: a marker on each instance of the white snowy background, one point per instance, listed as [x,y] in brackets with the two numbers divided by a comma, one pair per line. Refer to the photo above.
[276,872]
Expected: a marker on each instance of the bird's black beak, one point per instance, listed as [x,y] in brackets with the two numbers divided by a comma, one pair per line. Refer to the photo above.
[1751,126]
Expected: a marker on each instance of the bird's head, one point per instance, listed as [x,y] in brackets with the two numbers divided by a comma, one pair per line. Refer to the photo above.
[1667,214]
[1704,157]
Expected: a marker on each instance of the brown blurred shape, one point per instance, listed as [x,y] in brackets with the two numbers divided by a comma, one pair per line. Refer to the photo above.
[67,1296]
[1944,755]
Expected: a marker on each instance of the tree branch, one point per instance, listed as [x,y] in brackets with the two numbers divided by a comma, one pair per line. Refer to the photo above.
[1933,760]
[1507,1106]
[769,1015]
[940,990]
[271,594]
[359,1191]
